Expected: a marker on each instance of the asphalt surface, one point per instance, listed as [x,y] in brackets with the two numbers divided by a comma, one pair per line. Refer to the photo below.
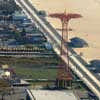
[19,94]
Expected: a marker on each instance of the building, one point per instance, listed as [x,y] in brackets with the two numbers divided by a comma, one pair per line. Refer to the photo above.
[19,16]
[50,95]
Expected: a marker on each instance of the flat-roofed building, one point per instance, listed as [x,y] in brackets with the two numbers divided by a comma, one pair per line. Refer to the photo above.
[50,95]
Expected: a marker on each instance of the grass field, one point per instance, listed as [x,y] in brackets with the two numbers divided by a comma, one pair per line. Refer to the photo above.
[36,73]
[34,68]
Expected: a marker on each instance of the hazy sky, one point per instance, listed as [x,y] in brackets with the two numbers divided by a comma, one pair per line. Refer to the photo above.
[90,10]
[87,27]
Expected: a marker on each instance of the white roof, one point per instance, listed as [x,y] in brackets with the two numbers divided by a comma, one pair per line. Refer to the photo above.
[53,95]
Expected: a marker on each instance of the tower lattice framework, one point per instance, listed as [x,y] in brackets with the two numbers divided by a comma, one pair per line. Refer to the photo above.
[64,76]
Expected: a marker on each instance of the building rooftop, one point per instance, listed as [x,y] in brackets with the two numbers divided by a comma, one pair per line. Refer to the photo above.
[53,95]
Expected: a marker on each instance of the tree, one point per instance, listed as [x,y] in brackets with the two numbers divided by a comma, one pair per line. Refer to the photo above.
[17,35]
[23,33]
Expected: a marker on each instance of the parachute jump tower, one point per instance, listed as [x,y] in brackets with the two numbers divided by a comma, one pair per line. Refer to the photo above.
[64,76]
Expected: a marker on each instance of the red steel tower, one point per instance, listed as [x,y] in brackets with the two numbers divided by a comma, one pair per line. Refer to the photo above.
[64,72]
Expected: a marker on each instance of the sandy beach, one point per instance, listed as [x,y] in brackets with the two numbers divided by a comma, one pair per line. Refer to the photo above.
[87,27]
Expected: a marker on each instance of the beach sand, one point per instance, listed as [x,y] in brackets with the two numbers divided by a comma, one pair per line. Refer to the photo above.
[87,27]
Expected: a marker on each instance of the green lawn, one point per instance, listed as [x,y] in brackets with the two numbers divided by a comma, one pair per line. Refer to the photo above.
[39,73]
[35,68]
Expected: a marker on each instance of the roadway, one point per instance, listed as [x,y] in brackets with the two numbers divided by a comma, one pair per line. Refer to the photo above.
[53,36]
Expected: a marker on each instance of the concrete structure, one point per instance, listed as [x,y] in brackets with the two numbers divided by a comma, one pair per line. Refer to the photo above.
[51,95]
